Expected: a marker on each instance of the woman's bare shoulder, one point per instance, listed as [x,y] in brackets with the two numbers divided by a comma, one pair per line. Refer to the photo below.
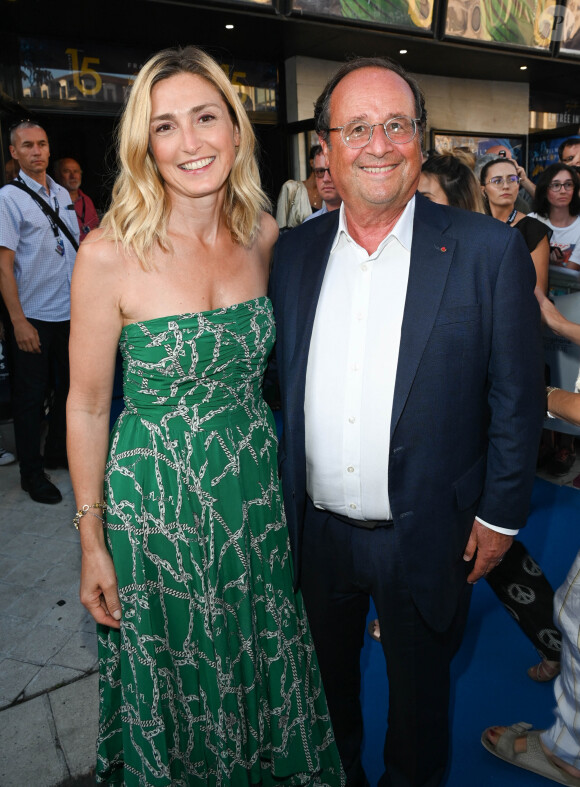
[269,229]
[99,247]
[100,259]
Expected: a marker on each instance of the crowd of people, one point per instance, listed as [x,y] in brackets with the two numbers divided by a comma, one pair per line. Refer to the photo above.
[399,298]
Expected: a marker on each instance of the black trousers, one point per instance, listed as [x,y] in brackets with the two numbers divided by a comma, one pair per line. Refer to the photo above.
[36,377]
[342,566]
[527,595]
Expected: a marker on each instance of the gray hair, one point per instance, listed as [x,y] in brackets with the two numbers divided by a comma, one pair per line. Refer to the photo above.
[23,124]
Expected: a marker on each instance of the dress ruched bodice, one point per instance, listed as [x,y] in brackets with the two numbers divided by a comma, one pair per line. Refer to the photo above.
[198,365]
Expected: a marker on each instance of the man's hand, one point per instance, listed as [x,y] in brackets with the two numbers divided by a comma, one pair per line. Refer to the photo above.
[488,546]
[26,337]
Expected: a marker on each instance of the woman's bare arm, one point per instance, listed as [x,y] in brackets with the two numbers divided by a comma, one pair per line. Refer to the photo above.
[541,259]
[96,324]
[555,320]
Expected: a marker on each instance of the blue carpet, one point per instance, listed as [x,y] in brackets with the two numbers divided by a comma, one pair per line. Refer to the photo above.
[489,681]
[490,685]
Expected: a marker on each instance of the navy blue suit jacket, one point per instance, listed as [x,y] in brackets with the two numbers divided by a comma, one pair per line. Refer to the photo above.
[469,392]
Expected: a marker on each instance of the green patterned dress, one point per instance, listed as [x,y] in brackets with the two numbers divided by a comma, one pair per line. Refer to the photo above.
[213,678]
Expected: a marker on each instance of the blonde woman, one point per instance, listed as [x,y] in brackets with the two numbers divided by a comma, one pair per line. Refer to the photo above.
[208,674]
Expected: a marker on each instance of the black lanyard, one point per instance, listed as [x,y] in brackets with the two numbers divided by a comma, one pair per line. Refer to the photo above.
[84,210]
[59,248]
[52,215]
[51,221]
[512,216]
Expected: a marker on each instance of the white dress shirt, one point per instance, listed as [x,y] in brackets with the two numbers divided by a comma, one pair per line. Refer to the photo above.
[351,372]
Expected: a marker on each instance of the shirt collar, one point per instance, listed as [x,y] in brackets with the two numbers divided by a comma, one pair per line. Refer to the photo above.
[402,231]
[35,185]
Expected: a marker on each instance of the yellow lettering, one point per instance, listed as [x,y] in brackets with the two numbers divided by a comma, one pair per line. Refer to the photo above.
[237,76]
[85,71]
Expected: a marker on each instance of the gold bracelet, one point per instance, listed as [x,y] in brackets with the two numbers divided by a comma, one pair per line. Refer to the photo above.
[85,510]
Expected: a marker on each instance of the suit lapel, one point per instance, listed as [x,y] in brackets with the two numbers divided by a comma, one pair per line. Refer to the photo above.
[431,256]
[313,261]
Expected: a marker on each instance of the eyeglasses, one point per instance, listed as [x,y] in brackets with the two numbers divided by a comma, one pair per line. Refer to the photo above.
[509,180]
[556,185]
[358,133]
[320,172]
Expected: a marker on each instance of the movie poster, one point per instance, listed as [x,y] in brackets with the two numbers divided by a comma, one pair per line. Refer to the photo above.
[567,26]
[414,14]
[526,23]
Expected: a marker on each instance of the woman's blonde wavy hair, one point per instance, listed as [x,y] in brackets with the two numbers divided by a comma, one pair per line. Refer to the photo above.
[140,208]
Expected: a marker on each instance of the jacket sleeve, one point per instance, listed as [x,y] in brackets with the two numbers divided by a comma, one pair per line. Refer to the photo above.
[516,395]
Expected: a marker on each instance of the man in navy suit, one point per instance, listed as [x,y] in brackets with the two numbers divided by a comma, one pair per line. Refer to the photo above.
[409,359]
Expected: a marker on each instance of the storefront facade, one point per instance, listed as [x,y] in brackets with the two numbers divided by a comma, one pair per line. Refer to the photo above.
[483,77]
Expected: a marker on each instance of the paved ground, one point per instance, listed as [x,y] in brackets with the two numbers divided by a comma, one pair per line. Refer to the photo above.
[48,649]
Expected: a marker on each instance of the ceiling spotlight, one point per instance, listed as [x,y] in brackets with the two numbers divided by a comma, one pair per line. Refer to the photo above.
[402,51]
[523,68]
[229,27]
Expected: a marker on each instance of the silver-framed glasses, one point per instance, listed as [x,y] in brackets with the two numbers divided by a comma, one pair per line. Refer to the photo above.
[358,133]
[509,180]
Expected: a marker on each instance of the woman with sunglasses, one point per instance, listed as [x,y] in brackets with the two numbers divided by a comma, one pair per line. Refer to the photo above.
[500,185]
[557,204]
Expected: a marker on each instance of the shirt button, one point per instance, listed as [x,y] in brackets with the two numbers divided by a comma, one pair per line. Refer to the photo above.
[364,267]
[352,506]
[355,367]
[352,419]
[350,469]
